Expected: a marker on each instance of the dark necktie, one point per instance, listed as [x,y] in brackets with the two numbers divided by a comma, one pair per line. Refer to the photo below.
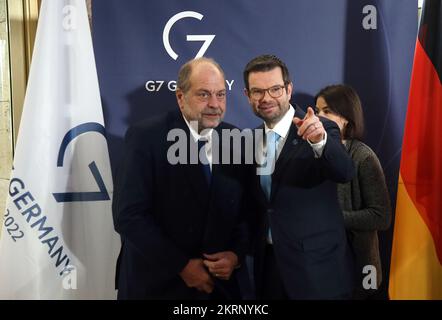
[203,159]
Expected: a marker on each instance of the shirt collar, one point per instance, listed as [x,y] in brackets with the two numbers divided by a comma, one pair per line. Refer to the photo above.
[283,126]
[207,136]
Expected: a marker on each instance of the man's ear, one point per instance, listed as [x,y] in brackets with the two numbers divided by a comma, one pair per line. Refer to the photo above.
[180,98]
[290,89]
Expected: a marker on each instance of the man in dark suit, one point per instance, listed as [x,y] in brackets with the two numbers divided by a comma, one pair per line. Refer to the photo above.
[183,235]
[300,243]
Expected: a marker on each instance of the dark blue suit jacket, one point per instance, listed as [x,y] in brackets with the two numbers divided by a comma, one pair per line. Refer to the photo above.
[306,221]
[167,214]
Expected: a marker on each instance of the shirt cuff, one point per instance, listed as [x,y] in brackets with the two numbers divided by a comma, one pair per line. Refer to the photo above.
[318,147]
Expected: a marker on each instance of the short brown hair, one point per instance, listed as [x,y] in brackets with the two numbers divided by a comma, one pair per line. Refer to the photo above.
[264,63]
[344,101]
[185,72]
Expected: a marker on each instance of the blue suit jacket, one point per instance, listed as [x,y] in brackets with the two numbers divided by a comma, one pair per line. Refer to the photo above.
[167,214]
[306,221]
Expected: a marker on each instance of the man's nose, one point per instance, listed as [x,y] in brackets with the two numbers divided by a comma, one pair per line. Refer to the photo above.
[213,101]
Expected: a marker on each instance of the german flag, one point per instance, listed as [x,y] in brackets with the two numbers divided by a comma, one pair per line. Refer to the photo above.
[416,262]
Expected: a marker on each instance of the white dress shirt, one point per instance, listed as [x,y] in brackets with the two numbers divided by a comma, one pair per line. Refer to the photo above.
[207,136]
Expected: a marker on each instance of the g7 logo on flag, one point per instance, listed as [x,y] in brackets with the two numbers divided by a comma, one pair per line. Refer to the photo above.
[186,14]
[100,195]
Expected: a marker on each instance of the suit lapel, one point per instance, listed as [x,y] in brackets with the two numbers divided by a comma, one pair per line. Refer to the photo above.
[292,145]
[193,172]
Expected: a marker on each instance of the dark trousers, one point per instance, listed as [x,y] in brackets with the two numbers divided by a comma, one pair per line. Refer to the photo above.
[273,287]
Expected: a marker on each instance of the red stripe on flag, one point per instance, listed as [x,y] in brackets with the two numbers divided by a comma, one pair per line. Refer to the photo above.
[421,163]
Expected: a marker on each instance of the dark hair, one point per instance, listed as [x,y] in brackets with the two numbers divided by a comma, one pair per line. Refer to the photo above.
[344,101]
[183,82]
[264,63]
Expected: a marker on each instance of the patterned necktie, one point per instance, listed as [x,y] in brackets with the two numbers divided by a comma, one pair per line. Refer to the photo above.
[266,180]
[203,159]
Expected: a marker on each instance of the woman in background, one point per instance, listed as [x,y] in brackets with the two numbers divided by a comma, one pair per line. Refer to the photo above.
[364,201]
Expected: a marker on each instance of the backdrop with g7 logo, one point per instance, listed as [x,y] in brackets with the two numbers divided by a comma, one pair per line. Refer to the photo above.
[369,45]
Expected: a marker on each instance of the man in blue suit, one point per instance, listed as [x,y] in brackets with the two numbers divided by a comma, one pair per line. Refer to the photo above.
[181,224]
[300,243]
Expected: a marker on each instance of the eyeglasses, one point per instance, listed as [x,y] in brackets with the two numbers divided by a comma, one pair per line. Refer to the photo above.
[274,92]
[205,96]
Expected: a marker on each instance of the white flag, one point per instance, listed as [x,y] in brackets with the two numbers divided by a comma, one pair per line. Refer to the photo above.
[58,240]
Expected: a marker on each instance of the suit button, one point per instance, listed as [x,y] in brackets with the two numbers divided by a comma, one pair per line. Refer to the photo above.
[270,211]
